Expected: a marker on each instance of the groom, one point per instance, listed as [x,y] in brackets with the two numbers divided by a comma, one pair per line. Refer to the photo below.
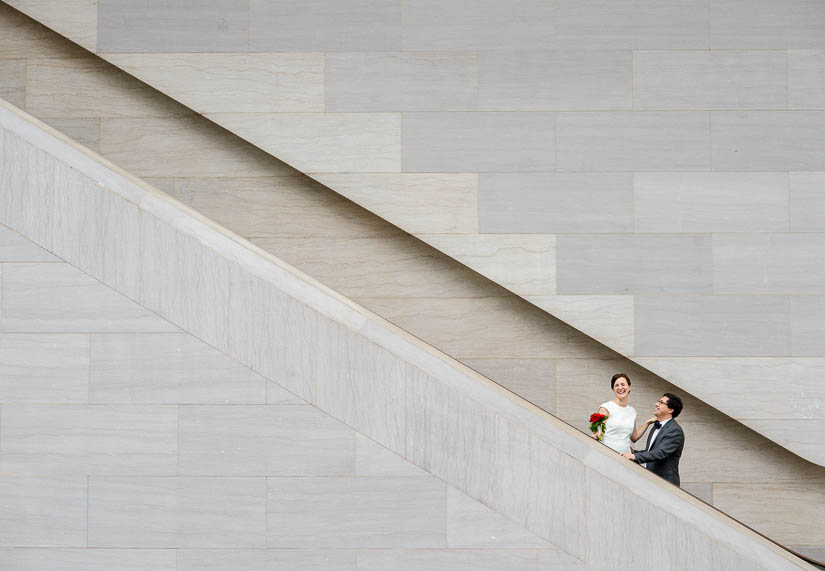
[666,441]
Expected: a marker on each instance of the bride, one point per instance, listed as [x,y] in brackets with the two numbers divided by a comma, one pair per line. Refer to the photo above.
[620,425]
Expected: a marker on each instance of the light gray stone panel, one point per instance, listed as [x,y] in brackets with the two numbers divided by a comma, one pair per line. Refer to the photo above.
[525,264]
[449,435]
[800,435]
[606,318]
[177,512]
[702,490]
[766,24]
[13,81]
[711,202]
[42,512]
[792,504]
[540,487]
[532,379]
[550,203]
[88,559]
[401,81]
[554,80]
[372,459]
[44,368]
[16,248]
[89,87]
[473,525]
[696,550]
[201,309]
[632,141]
[323,142]
[807,333]
[710,80]
[616,263]
[611,505]
[521,331]
[276,394]
[211,82]
[75,19]
[356,512]
[560,561]
[84,131]
[324,25]
[20,37]
[268,206]
[723,380]
[27,177]
[168,368]
[273,334]
[768,140]
[89,439]
[273,440]
[769,263]
[179,147]
[806,79]
[415,202]
[712,325]
[362,384]
[59,298]
[631,24]
[456,25]
[138,26]
[266,559]
[807,201]
[479,142]
[378,267]
[447,560]
[97,232]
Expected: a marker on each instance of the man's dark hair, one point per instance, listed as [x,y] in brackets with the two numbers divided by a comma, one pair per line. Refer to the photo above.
[674,403]
[618,376]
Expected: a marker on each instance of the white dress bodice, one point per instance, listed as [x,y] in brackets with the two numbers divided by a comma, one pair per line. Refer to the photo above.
[619,426]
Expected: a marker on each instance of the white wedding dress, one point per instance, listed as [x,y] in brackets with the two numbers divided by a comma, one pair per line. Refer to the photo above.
[619,426]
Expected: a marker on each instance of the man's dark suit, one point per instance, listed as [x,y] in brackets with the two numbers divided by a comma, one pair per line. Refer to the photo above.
[663,457]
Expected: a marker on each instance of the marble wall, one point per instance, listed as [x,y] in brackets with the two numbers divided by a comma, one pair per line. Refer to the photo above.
[412,285]
[333,409]
[680,143]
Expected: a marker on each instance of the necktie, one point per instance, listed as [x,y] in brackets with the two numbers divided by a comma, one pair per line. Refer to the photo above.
[657,425]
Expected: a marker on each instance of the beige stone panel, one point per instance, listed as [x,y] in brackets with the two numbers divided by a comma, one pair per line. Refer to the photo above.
[182,146]
[523,263]
[377,267]
[804,437]
[583,384]
[487,327]
[233,82]
[606,318]
[725,451]
[532,379]
[417,202]
[289,205]
[74,19]
[323,142]
[84,131]
[787,512]
[13,81]
[88,87]
[22,37]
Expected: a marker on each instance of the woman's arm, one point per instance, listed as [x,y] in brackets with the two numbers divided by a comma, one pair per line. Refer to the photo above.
[638,432]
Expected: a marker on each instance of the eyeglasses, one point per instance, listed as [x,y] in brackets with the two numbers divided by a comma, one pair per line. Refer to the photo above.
[660,401]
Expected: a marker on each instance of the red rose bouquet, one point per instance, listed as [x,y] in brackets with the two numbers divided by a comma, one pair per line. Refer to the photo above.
[597,424]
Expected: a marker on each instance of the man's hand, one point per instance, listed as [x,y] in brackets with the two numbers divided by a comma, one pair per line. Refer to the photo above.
[629,456]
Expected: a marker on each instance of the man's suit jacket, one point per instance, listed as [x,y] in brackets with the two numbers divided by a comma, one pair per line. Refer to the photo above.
[663,457]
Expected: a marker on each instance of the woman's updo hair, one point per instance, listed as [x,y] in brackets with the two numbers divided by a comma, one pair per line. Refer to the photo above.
[618,376]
